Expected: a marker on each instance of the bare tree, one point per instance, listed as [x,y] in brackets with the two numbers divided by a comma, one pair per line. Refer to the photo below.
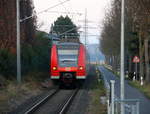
[137,21]
[8,23]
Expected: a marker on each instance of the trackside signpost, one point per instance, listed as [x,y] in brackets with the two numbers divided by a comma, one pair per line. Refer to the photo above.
[136,60]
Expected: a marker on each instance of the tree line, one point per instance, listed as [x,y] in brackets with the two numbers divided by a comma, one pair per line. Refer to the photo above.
[8,23]
[35,47]
[137,35]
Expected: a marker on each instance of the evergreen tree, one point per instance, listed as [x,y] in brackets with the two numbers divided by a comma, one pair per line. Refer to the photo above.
[65,28]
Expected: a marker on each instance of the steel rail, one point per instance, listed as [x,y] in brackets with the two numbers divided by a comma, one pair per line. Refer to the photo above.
[41,102]
[67,103]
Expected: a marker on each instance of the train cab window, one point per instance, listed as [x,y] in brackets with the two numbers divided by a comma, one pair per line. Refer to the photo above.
[68,57]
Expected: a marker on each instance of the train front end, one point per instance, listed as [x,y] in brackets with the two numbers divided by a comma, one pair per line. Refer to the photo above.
[68,62]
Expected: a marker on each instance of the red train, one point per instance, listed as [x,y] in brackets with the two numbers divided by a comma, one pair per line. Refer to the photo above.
[69,62]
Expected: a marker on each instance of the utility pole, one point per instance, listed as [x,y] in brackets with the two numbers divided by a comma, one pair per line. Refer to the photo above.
[122,57]
[18,41]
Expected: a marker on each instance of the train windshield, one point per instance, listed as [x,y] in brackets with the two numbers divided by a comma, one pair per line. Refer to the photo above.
[68,58]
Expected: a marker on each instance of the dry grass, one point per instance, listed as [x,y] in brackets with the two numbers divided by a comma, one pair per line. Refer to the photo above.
[14,94]
[96,107]
[3,103]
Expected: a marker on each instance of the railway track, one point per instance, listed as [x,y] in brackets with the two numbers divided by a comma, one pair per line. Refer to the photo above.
[41,102]
[56,103]
[67,103]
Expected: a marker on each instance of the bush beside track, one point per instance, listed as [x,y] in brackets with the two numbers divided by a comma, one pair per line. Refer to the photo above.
[34,57]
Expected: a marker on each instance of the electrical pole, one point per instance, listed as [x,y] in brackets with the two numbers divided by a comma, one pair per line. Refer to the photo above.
[18,41]
[122,57]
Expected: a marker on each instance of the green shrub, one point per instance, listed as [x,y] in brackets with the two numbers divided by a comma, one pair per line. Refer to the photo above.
[7,63]
[34,57]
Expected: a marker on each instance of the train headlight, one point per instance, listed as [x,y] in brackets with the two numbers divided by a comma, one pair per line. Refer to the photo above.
[54,68]
[80,68]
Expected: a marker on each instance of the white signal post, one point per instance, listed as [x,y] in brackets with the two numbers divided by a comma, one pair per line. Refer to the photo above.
[18,41]
[122,57]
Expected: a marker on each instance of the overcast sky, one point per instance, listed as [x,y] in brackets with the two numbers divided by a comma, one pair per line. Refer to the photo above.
[95,13]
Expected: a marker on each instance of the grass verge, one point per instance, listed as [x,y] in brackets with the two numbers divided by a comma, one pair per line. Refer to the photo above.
[117,74]
[145,89]
[97,91]
[13,94]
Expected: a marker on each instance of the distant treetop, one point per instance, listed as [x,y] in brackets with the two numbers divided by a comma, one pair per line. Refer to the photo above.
[65,28]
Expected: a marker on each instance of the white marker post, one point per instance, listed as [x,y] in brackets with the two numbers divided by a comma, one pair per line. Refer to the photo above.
[112,96]
[142,81]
